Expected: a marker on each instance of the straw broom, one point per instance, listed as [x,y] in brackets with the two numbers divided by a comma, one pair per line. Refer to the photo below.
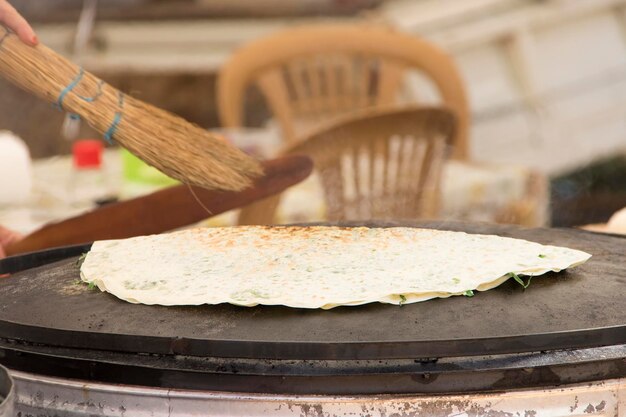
[169,143]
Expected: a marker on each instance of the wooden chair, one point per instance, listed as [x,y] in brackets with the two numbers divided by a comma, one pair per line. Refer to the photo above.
[381,164]
[310,75]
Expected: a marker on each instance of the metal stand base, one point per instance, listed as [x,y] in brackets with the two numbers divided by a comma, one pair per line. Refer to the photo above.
[48,397]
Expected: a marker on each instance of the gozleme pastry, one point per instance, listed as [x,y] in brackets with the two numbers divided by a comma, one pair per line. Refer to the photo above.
[313,267]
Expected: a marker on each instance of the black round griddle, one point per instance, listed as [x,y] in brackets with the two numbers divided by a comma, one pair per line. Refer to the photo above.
[51,323]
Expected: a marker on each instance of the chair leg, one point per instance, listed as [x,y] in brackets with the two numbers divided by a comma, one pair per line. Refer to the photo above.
[262,212]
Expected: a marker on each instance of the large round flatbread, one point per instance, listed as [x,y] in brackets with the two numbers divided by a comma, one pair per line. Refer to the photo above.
[313,267]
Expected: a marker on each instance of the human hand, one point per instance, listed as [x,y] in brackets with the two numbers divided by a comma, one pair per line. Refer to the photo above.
[7,237]
[14,21]
[617,222]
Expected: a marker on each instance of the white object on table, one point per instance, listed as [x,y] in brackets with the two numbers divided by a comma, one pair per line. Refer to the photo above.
[50,199]
[15,170]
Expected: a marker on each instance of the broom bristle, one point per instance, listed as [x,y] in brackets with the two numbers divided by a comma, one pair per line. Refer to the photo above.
[167,142]
[183,150]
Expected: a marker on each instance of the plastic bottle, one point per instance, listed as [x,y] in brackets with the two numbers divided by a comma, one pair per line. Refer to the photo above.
[88,185]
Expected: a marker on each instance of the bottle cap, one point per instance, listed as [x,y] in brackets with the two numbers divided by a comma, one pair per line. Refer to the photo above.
[87,153]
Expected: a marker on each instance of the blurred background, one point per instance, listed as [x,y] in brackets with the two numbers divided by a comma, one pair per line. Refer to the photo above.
[545,82]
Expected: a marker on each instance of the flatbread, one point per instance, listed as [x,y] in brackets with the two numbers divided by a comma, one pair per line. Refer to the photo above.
[313,267]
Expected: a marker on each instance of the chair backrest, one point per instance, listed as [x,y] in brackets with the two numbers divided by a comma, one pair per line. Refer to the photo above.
[310,75]
[379,164]
[383,165]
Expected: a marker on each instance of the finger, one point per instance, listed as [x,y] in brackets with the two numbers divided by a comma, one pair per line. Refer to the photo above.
[17,23]
[8,236]
[4,239]
[2,256]
[10,239]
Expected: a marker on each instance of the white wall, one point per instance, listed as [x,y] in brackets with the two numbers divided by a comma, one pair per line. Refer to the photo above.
[546,79]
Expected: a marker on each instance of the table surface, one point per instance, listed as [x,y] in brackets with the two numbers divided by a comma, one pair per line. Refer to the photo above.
[470,192]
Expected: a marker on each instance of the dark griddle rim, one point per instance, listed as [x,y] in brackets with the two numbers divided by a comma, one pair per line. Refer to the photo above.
[590,338]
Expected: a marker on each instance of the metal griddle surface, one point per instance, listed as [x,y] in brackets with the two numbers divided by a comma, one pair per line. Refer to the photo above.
[584,307]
